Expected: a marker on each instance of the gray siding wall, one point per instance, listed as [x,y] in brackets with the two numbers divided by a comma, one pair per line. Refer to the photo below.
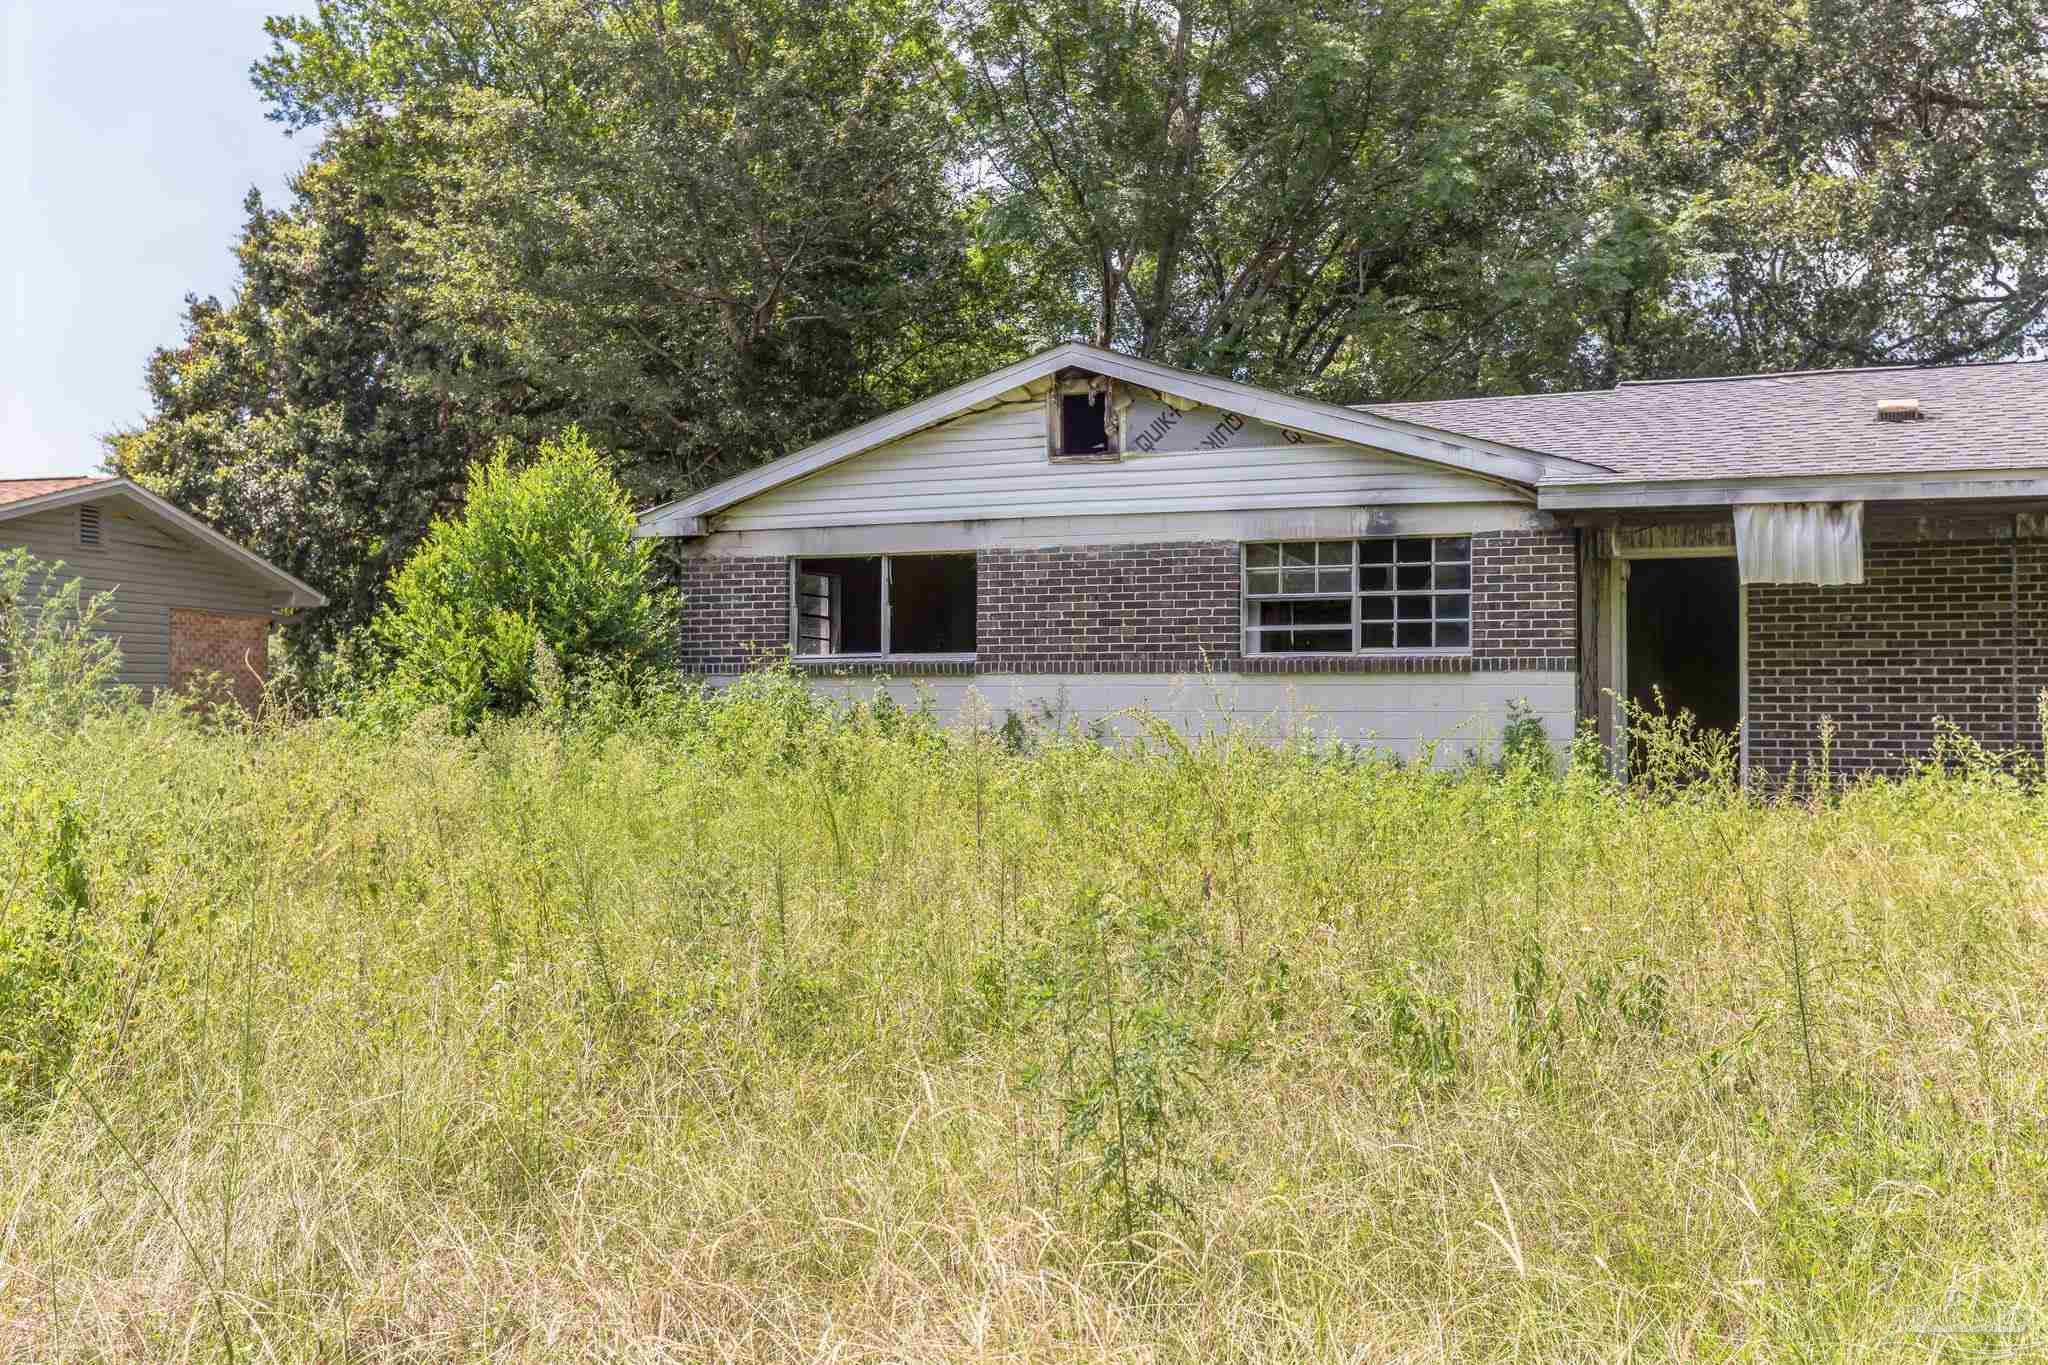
[150,569]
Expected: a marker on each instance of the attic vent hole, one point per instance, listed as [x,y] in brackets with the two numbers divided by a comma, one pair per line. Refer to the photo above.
[1084,424]
[89,524]
[1899,410]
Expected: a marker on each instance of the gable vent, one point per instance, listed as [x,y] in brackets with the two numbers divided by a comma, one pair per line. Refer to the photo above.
[1899,410]
[89,524]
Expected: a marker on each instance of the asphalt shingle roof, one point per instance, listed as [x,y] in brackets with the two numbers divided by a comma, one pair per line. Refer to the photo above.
[1816,422]
[20,490]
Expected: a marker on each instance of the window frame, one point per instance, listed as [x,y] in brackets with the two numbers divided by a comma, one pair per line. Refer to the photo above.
[1247,601]
[1076,385]
[884,654]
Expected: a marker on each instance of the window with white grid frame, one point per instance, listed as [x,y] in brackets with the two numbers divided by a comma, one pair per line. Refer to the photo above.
[1385,594]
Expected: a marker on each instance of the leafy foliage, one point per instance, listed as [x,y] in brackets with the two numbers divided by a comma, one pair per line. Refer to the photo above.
[58,661]
[720,230]
[53,964]
[538,577]
[1343,199]
[314,419]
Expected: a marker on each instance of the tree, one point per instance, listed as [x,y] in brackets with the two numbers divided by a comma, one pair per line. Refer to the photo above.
[314,418]
[543,555]
[722,229]
[1345,199]
[1866,176]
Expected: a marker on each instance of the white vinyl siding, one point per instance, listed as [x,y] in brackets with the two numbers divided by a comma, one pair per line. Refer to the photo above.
[993,465]
[150,570]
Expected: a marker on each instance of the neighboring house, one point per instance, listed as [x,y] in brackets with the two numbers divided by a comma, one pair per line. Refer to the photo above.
[1090,531]
[186,600]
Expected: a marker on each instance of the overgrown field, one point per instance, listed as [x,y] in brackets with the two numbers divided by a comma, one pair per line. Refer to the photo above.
[741,1030]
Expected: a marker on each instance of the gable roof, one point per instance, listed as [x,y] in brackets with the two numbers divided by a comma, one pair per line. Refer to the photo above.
[1810,424]
[65,492]
[1503,462]
[20,490]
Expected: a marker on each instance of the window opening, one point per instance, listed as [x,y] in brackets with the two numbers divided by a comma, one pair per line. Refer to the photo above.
[884,605]
[1358,596]
[931,604]
[1084,423]
[1415,593]
[839,606]
[820,615]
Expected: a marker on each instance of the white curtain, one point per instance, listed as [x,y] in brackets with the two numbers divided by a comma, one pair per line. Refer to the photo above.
[1800,542]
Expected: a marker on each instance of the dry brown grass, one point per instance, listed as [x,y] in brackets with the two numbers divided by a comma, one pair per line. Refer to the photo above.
[725,1036]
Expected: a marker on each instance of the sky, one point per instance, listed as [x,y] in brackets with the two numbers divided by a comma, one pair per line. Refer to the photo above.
[129,134]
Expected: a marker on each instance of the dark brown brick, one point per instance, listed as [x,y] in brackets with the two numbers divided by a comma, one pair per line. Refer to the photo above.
[1930,636]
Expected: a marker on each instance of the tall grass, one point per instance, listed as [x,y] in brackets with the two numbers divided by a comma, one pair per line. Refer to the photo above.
[743,1028]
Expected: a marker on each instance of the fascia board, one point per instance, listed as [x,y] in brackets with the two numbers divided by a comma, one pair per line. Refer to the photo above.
[2013,483]
[302,595]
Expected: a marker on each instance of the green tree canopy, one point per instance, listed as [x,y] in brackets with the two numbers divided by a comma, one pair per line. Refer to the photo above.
[727,228]
[316,418]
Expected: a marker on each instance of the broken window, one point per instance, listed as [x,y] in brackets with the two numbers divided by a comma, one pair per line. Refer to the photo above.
[839,606]
[1084,423]
[884,604]
[1346,596]
[1300,598]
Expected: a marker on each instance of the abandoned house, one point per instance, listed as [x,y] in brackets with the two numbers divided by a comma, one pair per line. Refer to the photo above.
[1091,533]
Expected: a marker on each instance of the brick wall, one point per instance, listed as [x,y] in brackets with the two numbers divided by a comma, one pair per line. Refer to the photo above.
[1162,608]
[1929,633]
[735,612]
[233,646]
[1525,599]
[1154,608]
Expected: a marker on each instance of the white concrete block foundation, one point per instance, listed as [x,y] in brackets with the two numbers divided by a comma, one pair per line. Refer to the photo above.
[1400,713]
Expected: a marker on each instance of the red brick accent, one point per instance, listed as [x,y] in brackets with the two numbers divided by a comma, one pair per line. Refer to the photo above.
[1161,608]
[1930,633]
[1525,600]
[735,612]
[234,647]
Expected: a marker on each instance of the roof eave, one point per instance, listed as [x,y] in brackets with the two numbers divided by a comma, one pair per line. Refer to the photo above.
[299,593]
[1935,486]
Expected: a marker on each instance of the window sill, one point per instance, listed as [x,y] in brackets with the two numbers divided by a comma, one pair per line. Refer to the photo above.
[1094,457]
[1394,661]
[886,665]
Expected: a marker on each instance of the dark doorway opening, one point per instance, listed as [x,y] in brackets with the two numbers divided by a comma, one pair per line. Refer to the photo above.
[1684,638]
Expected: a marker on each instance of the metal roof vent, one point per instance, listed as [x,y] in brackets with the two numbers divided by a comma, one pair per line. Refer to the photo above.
[88,524]
[1899,410]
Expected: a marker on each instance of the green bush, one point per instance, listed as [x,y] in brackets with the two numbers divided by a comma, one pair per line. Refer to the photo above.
[57,663]
[540,572]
